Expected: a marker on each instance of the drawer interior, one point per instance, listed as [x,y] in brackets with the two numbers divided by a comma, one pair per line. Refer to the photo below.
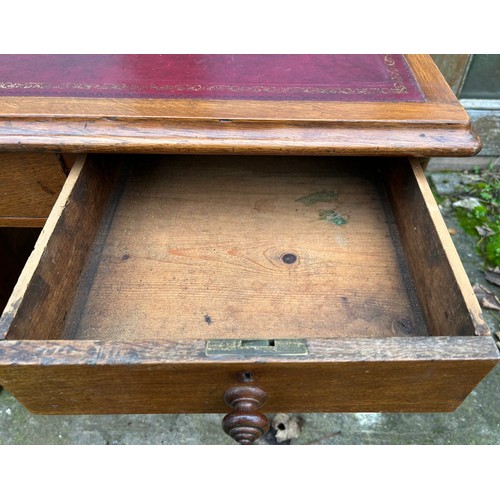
[206,247]
[245,247]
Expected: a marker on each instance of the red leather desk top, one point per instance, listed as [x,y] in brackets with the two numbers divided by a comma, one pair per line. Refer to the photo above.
[231,104]
[255,77]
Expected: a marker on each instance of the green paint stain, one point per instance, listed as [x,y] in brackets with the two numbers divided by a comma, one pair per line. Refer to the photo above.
[320,196]
[333,217]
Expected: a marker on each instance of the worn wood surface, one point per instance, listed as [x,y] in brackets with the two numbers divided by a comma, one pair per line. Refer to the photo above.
[29,186]
[255,247]
[441,283]
[437,127]
[45,290]
[339,375]
[241,137]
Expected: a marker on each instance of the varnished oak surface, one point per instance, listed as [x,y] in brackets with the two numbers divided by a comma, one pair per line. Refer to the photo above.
[367,375]
[437,127]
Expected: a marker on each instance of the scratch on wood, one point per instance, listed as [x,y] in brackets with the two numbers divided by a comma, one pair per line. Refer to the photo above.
[45,188]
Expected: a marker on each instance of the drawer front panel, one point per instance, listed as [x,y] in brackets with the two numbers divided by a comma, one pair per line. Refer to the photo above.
[388,375]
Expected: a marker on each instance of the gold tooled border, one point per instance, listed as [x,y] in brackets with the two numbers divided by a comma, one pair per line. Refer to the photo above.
[390,65]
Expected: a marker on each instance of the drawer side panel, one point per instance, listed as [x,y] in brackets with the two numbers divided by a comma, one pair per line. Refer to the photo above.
[44,292]
[442,285]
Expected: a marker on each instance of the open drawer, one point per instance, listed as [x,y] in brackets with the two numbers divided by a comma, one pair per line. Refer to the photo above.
[161,283]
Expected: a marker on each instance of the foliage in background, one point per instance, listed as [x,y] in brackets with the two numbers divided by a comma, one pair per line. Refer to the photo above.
[483,219]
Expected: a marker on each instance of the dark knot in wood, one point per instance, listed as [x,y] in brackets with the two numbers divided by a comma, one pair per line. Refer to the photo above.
[245,424]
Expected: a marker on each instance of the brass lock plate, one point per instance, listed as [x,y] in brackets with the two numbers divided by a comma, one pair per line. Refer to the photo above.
[238,347]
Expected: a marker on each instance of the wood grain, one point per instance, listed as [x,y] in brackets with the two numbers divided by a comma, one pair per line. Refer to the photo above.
[238,137]
[119,111]
[339,375]
[45,290]
[442,285]
[437,127]
[197,248]
[27,222]
[29,186]
[430,79]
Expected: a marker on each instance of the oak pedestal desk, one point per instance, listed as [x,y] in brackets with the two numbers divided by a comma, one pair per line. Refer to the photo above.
[236,233]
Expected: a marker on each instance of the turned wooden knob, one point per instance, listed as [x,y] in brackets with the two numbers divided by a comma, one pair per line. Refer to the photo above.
[245,424]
